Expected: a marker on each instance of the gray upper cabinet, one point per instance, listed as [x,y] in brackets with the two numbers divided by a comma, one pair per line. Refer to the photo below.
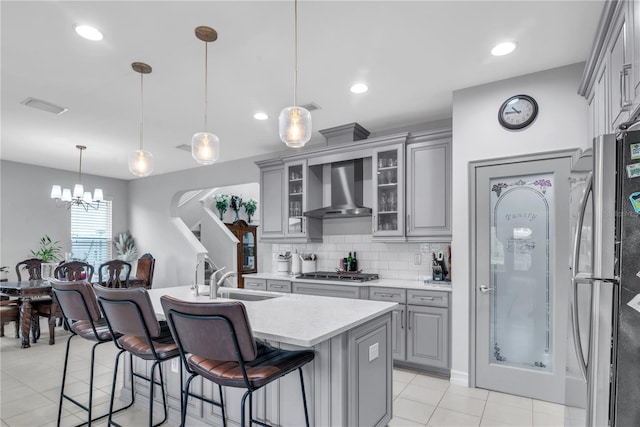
[388,192]
[303,187]
[611,81]
[271,198]
[429,187]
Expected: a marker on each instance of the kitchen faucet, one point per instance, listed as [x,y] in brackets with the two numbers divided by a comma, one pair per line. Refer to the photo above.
[208,260]
[213,286]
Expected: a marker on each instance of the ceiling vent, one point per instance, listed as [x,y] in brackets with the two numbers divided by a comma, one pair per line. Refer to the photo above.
[311,106]
[184,147]
[43,105]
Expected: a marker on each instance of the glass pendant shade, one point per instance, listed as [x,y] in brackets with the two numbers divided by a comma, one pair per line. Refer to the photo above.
[141,163]
[87,197]
[66,195]
[78,191]
[97,195]
[294,125]
[205,148]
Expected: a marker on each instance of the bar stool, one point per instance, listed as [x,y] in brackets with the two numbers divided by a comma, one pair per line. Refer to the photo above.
[130,317]
[79,307]
[234,358]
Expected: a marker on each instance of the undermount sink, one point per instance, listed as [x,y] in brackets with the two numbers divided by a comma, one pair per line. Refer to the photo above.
[244,296]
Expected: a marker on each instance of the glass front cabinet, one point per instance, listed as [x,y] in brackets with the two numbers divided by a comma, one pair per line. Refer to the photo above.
[388,184]
[247,248]
[296,198]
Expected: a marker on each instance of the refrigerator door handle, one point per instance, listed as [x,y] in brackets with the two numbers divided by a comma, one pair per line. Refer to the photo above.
[573,294]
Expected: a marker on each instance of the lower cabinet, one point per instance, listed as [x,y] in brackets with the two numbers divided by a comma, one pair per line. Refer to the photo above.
[279,285]
[427,336]
[255,284]
[398,336]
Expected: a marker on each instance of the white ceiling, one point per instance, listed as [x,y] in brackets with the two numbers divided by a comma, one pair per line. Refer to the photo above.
[413,55]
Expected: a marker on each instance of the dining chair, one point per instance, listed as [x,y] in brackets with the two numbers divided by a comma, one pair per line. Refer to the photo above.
[74,271]
[144,270]
[42,305]
[110,274]
[9,312]
[133,324]
[82,315]
[233,358]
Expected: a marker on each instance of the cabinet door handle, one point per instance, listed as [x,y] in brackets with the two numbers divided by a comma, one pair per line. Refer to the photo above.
[401,321]
[408,223]
[388,295]
[277,286]
[373,224]
[624,102]
[425,298]
[409,321]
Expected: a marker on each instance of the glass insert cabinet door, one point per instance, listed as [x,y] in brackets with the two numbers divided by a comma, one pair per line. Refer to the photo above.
[388,166]
[521,244]
[296,198]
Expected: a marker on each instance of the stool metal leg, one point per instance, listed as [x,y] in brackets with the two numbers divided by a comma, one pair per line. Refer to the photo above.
[304,397]
[64,378]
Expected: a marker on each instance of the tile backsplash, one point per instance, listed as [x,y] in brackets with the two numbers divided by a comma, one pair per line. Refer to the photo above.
[396,260]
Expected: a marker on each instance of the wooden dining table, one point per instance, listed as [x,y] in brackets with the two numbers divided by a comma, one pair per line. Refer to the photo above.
[25,291]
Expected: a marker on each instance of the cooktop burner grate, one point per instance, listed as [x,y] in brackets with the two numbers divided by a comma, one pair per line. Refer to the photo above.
[340,276]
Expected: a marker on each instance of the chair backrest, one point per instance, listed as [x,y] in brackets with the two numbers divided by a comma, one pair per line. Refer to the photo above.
[33,266]
[210,329]
[73,271]
[76,300]
[128,311]
[144,270]
[109,274]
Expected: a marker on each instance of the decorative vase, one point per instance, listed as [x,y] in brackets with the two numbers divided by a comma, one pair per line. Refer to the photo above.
[237,218]
[248,219]
[222,214]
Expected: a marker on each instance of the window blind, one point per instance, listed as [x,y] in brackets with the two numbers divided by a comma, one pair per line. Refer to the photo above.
[91,236]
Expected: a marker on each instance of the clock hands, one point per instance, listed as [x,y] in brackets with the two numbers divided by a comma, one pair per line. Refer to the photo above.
[514,109]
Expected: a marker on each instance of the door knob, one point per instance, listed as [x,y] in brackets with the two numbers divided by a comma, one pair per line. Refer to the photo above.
[484,289]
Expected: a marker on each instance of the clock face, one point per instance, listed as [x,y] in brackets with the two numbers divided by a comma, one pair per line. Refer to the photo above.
[518,112]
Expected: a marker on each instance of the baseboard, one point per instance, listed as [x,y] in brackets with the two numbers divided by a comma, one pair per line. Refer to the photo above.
[459,378]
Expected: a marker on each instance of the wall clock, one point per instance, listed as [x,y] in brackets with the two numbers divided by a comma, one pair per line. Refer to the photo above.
[518,112]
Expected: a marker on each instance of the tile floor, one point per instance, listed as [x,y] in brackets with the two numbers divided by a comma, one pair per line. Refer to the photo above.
[30,381]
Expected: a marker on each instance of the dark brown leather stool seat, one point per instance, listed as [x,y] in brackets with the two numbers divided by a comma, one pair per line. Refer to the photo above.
[217,343]
[98,331]
[164,345]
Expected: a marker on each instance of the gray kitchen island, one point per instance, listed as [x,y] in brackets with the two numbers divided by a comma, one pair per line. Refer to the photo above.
[349,382]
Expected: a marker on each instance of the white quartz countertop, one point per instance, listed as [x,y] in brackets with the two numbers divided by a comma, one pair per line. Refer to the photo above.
[387,283]
[301,320]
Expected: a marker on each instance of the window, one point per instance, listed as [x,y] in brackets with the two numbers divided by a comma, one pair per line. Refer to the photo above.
[91,239]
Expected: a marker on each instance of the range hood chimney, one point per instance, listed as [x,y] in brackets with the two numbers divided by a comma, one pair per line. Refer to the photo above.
[346,177]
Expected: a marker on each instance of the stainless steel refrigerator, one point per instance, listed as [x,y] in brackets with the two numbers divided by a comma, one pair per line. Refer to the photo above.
[603,374]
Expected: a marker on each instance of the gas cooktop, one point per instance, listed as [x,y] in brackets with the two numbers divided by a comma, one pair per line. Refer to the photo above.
[344,276]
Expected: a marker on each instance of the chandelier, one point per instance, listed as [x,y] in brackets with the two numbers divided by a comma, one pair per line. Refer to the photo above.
[79,197]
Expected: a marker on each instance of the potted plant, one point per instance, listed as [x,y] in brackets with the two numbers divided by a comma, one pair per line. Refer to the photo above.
[126,247]
[222,203]
[250,208]
[49,253]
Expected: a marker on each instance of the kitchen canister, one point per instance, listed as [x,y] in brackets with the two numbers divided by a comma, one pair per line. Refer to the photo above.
[283,265]
[296,264]
[308,266]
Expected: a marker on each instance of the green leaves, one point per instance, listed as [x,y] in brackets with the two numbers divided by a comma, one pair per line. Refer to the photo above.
[250,206]
[49,250]
[126,247]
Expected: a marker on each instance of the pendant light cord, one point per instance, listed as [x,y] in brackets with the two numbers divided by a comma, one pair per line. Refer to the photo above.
[295,52]
[80,168]
[141,108]
[206,88]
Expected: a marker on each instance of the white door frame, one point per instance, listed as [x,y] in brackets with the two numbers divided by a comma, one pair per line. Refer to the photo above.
[573,153]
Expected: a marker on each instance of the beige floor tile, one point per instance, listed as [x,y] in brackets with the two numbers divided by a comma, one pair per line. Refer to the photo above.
[430,382]
[476,393]
[545,419]
[548,407]
[508,414]
[461,403]
[484,422]
[398,387]
[422,394]
[403,376]
[444,417]
[400,422]
[17,407]
[10,394]
[412,410]
[510,400]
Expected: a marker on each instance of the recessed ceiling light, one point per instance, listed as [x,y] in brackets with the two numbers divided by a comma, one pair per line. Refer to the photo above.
[503,48]
[359,88]
[88,32]
[260,116]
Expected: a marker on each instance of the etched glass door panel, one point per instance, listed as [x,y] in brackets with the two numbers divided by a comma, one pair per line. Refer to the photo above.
[521,305]
[521,277]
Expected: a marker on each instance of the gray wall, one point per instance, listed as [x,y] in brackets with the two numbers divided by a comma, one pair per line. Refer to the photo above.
[27,212]
[561,123]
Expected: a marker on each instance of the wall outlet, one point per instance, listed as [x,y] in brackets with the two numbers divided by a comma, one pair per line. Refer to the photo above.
[373,352]
[417,259]
[175,365]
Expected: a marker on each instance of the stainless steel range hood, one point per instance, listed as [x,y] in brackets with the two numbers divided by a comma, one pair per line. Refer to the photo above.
[347,190]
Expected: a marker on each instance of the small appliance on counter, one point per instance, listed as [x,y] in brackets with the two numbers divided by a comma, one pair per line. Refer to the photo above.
[439,268]
[284,262]
[296,263]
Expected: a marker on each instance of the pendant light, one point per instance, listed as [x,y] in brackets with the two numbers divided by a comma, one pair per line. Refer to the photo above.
[141,161]
[79,197]
[294,122]
[205,146]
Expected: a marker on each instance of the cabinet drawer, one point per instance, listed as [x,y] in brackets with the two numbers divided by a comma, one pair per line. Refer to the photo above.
[430,298]
[388,294]
[255,284]
[320,289]
[279,286]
